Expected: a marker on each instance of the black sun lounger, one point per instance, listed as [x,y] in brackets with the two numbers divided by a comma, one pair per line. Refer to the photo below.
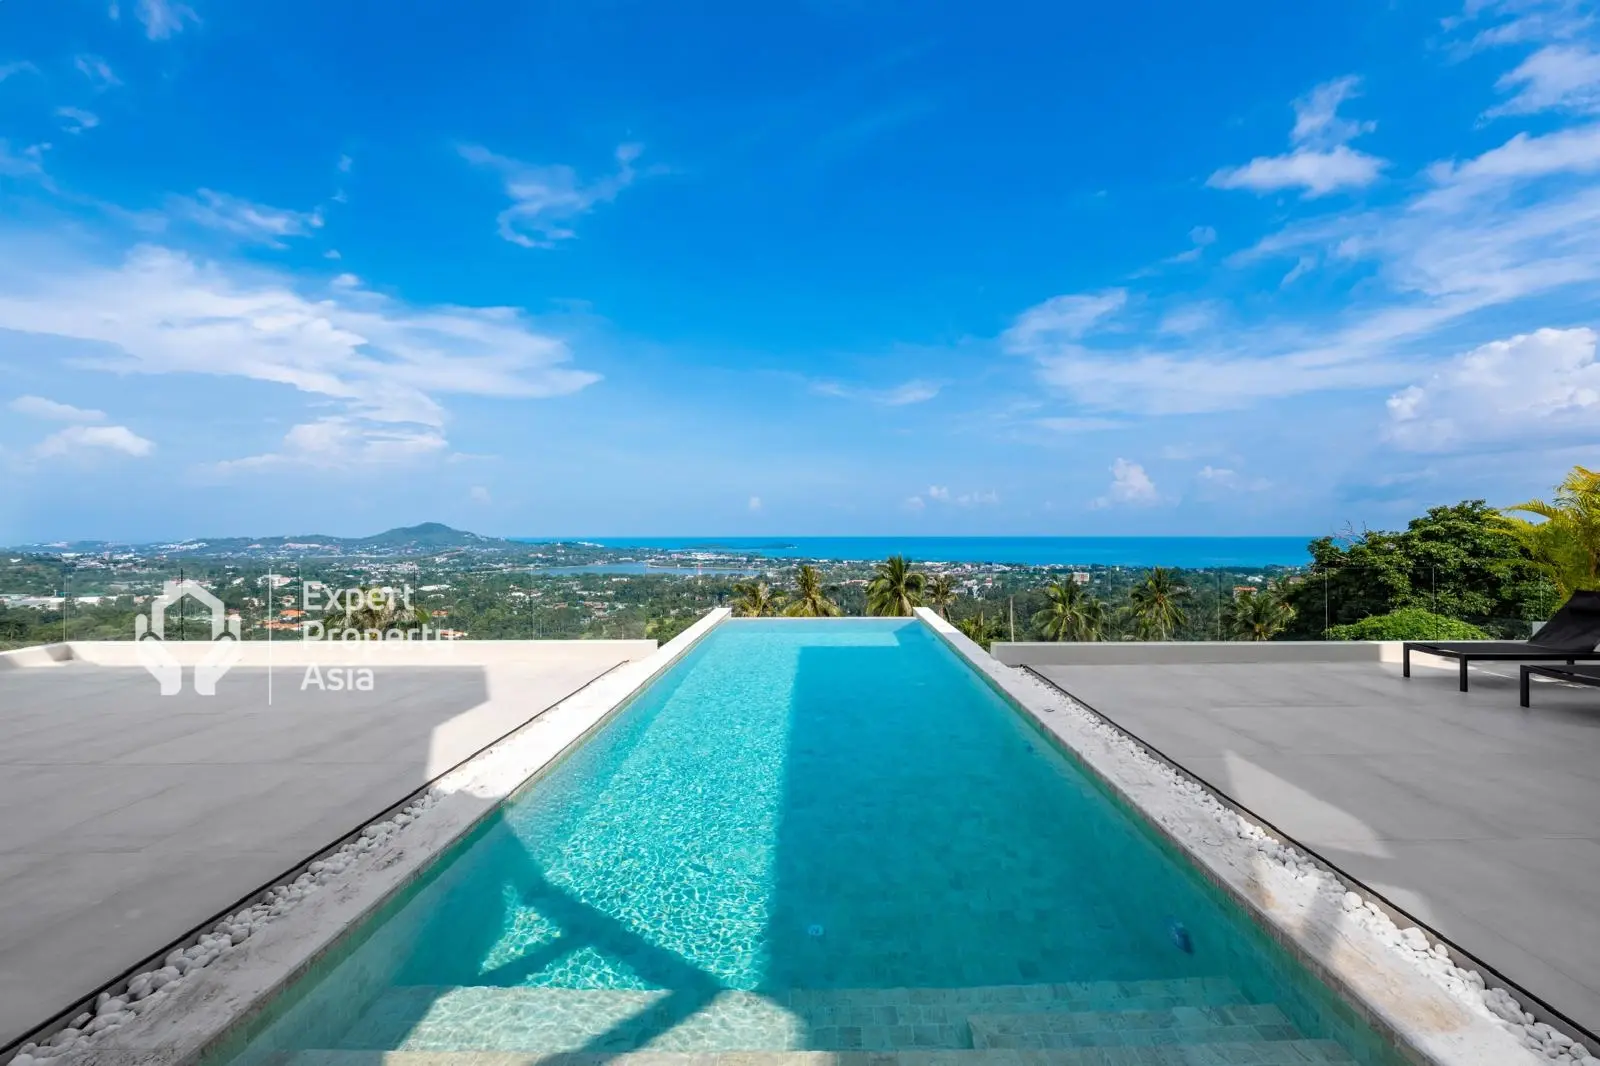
[1577,675]
[1570,635]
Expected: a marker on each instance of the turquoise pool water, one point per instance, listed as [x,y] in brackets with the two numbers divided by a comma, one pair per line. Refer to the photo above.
[798,809]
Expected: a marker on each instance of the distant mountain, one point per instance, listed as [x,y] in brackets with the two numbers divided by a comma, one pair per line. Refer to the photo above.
[428,537]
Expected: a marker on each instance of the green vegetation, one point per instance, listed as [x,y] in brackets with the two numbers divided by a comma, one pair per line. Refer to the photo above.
[1072,613]
[1408,623]
[375,612]
[810,601]
[1455,561]
[981,629]
[1565,547]
[1465,563]
[895,589]
[1257,614]
[1156,605]
[941,593]
[753,599]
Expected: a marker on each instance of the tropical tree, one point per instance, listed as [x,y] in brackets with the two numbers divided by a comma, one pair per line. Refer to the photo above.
[753,599]
[941,593]
[895,588]
[810,601]
[1157,604]
[1257,614]
[1565,546]
[374,611]
[979,628]
[1455,561]
[1071,612]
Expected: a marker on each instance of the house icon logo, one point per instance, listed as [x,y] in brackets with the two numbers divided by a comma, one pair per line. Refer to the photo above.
[149,635]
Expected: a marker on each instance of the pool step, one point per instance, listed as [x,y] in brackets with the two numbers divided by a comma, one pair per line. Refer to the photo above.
[446,1018]
[1272,1053]
[1249,1023]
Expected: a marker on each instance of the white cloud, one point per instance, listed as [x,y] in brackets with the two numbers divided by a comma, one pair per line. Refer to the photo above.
[1076,424]
[164,18]
[1061,318]
[914,503]
[1522,159]
[914,391]
[76,119]
[345,163]
[340,442]
[1518,223]
[1130,485]
[546,199]
[1316,115]
[1521,22]
[1317,173]
[332,253]
[755,503]
[1190,318]
[257,223]
[1302,266]
[20,67]
[50,410]
[80,439]
[1227,479]
[1201,238]
[97,70]
[479,494]
[1541,386]
[383,363]
[1565,76]
[27,163]
[942,494]
[1320,160]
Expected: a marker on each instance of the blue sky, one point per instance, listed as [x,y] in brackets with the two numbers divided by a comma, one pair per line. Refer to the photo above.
[630,268]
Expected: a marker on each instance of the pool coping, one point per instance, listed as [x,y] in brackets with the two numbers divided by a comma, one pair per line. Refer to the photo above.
[179,1024]
[1425,1022]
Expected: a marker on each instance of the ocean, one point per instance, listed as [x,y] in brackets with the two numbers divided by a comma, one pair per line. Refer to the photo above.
[1186,552]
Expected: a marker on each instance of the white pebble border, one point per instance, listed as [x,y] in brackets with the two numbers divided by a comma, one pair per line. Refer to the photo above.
[150,988]
[1412,944]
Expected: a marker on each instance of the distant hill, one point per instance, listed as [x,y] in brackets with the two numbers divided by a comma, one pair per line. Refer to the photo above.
[427,537]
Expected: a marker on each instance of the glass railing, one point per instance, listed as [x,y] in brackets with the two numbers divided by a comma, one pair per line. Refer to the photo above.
[307,597]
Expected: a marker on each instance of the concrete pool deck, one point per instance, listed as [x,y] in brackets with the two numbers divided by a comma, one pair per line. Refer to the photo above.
[1479,818]
[132,817]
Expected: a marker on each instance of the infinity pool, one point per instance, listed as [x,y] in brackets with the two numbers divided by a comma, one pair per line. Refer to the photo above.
[826,834]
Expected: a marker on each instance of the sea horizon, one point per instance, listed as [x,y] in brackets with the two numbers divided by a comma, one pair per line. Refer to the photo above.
[1177,551]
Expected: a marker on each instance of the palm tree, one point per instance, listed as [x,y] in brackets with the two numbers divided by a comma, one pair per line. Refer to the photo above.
[1071,612]
[1257,614]
[753,599]
[895,588]
[377,611]
[1566,545]
[1156,604]
[810,601]
[979,628]
[941,593]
